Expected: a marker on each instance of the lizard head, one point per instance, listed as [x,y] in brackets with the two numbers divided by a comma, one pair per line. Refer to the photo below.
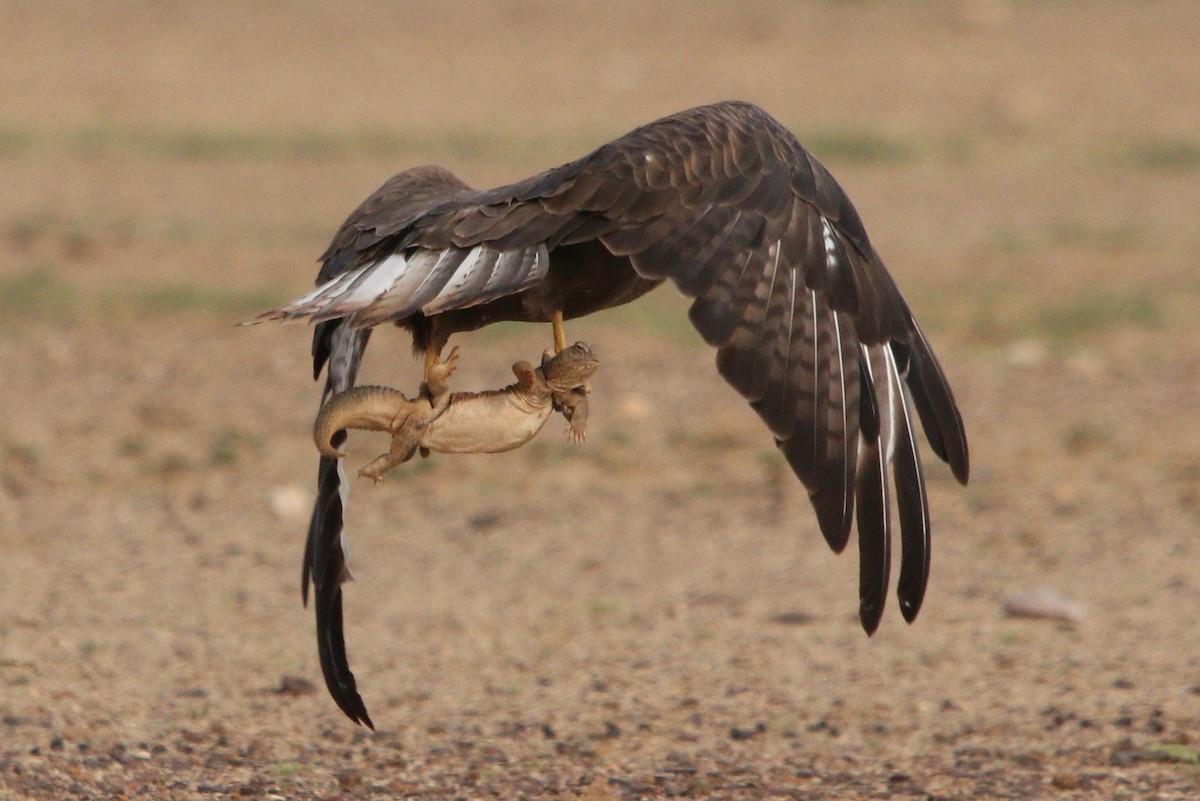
[571,367]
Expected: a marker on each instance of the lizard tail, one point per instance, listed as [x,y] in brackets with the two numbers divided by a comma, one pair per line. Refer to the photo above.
[368,408]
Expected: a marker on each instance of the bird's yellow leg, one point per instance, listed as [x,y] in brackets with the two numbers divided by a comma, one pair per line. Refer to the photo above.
[431,359]
[560,334]
[433,349]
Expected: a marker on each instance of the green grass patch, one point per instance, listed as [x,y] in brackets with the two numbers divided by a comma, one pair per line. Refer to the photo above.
[1079,233]
[229,443]
[1171,155]
[663,314]
[1175,752]
[858,147]
[1064,233]
[36,292]
[1012,637]
[190,299]
[14,141]
[40,292]
[203,144]
[1098,310]
[288,771]
[601,607]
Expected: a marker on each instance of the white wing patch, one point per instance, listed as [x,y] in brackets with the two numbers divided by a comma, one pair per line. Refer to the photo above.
[370,284]
[431,281]
[889,393]
[895,378]
[896,405]
[827,237]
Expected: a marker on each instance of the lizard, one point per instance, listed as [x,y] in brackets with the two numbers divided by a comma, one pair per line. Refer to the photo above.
[439,420]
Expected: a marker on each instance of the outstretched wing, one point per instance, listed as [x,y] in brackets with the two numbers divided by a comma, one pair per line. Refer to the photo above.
[723,200]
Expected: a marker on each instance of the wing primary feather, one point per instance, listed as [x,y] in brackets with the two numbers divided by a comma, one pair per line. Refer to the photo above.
[936,407]
[911,502]
[868,407]
[828,496]
[874,535]
[841,463]
[839,277]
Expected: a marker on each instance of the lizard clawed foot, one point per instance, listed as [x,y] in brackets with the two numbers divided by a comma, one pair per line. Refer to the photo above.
[375,469]
[372,474]
[402,450]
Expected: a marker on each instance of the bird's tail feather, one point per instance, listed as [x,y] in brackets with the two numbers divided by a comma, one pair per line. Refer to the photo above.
[325,554]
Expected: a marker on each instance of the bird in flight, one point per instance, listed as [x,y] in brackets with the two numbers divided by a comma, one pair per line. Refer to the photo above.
[722,200]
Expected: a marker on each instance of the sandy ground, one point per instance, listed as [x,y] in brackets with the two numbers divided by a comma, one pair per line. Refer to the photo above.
[652,614]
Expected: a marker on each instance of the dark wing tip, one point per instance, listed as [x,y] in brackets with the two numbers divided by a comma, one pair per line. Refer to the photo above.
[913,506]
[935,404]
[874,541]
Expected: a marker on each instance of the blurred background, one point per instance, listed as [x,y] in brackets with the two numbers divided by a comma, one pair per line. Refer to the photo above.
[653,613]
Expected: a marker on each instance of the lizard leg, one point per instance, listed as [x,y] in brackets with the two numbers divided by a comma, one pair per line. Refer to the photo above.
[575,409]
[402,450]
[527,377]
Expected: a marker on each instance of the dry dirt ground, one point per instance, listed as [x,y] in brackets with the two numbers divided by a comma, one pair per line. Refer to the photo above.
[652,614]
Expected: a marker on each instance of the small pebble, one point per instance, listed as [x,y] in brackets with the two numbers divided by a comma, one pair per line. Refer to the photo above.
[295,686]
[1027,354]
[1043,604]
[289,503]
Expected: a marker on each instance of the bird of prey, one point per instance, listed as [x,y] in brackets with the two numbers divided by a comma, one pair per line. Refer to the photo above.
[722,200]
